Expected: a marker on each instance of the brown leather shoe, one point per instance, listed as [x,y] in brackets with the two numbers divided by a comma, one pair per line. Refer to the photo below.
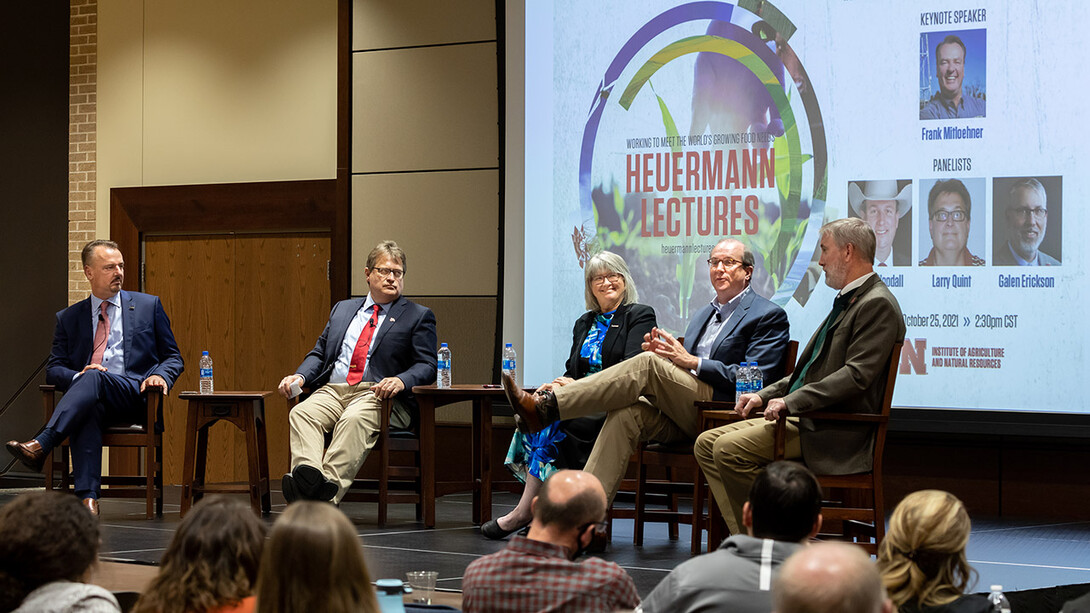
[91,505]
[533,410]
[29,453]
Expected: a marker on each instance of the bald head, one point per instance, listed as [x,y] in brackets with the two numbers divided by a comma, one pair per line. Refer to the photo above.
[829,578]
[569,499]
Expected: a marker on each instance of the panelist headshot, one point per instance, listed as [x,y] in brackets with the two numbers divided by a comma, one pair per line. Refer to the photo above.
[1025,209]
[959,72]
[882,204]
[949,223]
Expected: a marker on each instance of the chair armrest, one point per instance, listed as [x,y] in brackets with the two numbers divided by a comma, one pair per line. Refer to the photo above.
[868,418]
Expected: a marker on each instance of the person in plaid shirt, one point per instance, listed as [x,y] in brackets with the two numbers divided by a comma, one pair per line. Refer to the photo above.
[538,572]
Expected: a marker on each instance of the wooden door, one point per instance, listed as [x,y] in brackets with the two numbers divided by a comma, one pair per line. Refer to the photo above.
[256,303]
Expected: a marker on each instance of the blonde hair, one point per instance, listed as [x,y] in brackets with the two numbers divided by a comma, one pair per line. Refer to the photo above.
[922,557]
[313,562]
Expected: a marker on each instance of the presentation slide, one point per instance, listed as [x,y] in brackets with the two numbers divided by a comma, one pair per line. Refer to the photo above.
[655,129]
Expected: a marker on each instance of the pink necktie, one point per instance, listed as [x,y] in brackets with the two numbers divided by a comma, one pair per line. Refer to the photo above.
[102,334]
[359,355]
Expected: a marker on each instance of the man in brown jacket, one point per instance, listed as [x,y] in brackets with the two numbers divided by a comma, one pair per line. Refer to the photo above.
[842,368]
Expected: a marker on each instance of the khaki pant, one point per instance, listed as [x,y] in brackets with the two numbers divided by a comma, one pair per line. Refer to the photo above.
[645,398]
[352,414]
[732,455]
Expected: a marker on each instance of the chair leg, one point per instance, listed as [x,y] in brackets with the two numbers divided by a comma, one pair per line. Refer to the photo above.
[697,533]
[673,522]
[641,498]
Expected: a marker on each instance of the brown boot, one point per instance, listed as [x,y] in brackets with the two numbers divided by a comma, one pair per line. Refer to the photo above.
[534,411]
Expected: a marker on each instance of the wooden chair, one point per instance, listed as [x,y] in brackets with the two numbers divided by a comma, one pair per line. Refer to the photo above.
[147,437]
[679,462]
[861,512]
[714,414]
[396,483]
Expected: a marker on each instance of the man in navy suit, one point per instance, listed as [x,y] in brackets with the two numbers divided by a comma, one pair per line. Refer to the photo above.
[107,350]
[651,396]
[373,348]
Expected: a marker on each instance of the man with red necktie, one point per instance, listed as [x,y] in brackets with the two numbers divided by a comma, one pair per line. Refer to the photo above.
[107,350]
[373,348]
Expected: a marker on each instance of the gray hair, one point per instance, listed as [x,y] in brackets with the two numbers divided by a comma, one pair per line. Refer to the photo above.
[1028,184]
[852,231]
[604,263]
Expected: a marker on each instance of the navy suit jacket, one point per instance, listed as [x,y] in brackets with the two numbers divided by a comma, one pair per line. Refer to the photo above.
[623,337]
[404,346]
[149,344]
[757,331]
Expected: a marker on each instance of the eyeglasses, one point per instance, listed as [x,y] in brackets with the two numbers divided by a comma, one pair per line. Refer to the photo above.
[955,215]
[612,277]
[1023,212]
[599,526]
[386,272]
[728,262]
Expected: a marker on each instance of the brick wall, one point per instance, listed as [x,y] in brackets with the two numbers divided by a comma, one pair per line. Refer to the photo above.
[82,88]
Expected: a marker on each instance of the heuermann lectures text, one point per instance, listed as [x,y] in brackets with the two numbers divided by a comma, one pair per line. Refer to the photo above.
[701,171]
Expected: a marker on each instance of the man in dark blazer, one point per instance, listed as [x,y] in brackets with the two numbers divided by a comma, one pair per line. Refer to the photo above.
[651,396]
[843,368]
[107,350]
[373,348]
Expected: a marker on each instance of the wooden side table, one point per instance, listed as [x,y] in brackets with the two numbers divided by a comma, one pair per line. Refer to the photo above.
[246,410]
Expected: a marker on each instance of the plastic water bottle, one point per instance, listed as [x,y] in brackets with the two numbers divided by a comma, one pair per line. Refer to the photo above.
[442,379]
[510,362]
[756,378]
[388,592]
[741,384]
[1000,604]
[206,373]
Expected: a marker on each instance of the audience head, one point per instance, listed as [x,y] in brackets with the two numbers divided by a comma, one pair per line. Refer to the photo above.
[313,562]
[829,578]
[607,283]
[44,537]
[784,503]
[212,560]
[568,509]
[922,557]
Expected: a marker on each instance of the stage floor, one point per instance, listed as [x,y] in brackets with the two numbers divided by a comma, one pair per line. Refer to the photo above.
[1018,554]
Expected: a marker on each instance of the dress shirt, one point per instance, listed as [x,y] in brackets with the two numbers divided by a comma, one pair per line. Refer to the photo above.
[942,108]
[113,358]
[703,348]
[854,284]
[352,336]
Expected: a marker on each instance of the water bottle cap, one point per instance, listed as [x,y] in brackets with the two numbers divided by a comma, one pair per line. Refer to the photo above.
[753,364]
[204,353]
[997,588]
[390,586]
[442,344]
[508,345]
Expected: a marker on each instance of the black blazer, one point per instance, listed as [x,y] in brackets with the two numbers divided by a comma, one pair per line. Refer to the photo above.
[623,338]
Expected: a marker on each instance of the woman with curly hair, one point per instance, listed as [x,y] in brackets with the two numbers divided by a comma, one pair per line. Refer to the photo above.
[922,559]
[211,564]
[48,546]
[314,562]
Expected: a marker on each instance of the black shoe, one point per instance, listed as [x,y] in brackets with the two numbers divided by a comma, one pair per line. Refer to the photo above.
[491,529]
[311,484]
[289,489]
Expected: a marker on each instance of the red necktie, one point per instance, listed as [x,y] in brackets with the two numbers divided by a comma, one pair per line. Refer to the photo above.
[359,355]
[102,334]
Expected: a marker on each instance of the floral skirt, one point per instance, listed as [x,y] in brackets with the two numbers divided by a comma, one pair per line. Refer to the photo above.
[561,445]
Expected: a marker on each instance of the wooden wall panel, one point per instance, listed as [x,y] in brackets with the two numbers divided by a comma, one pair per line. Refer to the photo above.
[412,23]
[194,278]
[425,109]
[282,304]
[445,221]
